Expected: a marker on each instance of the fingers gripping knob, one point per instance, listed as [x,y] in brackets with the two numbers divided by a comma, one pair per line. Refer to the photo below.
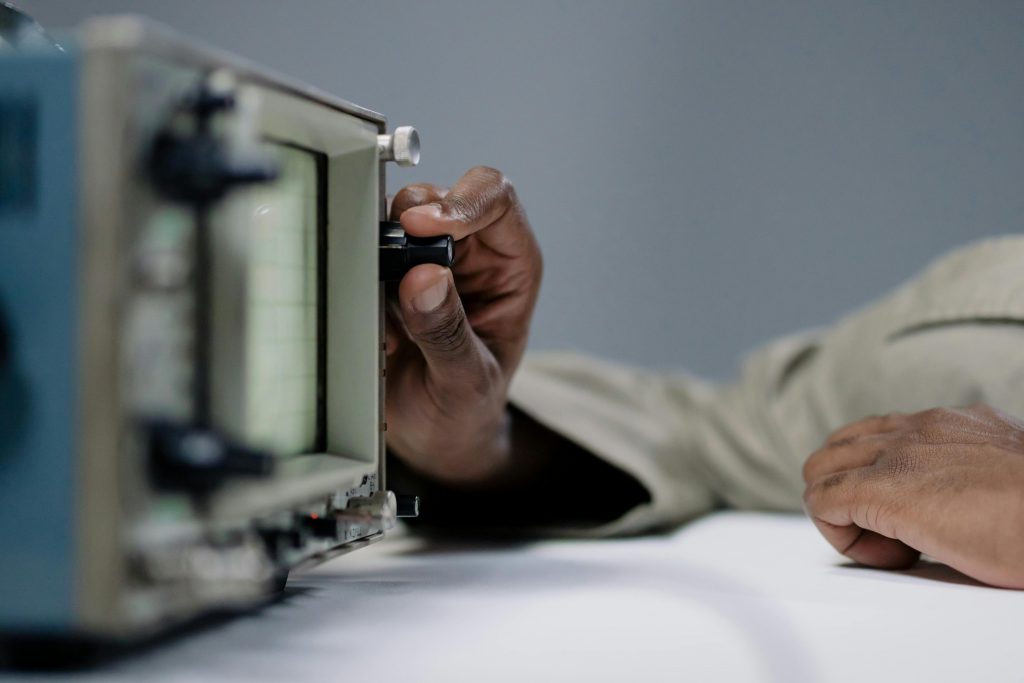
[402,146]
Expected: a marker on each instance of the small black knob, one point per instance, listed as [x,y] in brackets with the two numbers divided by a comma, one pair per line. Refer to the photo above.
[279,541]
[399,251]
[204,102]
[182,457]
[196,169]
[320,527]
[407,506]
[194,165]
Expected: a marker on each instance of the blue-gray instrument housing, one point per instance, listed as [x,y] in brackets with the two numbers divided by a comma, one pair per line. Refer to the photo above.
[39,276]
[102,534]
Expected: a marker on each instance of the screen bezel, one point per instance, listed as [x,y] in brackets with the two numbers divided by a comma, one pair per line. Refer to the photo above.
[353,306]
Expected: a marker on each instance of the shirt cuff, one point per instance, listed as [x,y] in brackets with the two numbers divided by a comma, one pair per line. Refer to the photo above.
[632,419]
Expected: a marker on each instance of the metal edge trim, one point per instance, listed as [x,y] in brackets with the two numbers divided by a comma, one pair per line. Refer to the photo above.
[135,33]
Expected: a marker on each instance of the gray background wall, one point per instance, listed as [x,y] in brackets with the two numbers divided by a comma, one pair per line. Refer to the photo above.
[702,175]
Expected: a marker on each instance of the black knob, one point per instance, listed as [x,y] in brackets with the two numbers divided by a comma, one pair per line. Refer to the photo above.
[399,251]
[193,165]
[195,169]
[407,506]
[280,541]
[182,457]
[320,527]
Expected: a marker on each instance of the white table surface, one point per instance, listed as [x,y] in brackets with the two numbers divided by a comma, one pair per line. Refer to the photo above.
[734,596]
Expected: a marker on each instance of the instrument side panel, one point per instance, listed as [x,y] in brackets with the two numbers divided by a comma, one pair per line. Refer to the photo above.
[38,305]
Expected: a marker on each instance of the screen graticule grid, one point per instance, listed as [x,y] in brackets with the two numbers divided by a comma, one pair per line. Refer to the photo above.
[282,334]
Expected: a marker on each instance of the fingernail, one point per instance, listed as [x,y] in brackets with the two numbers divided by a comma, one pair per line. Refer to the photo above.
[432,297]
[429,210]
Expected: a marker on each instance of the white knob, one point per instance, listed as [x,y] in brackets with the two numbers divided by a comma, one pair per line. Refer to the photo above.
[402,146]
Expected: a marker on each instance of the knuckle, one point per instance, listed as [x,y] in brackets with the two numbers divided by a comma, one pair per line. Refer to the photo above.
[416,193]
[827,492]
[833,436]
[985,412]
[496,185]
[505,186]
[938,424]
[811,466]
[405,195]
[847,429]
[842,441]
[834,480]
[462,204]
[819,492]
[813,497]
[810,499]
[886,420]
[933,415]
[897,464]
[490,176]
[412,195]
[929,433]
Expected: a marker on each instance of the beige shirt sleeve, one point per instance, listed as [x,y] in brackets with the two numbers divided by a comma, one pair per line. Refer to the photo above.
[952,336]
[628,417]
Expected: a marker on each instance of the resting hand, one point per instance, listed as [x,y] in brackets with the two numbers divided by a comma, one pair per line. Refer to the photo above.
[947,483]
[456,336]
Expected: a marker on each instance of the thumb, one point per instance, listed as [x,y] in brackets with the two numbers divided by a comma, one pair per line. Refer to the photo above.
[436,322]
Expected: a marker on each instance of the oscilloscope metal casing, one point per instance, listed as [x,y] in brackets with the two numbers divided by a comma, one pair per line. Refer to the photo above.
[90,546]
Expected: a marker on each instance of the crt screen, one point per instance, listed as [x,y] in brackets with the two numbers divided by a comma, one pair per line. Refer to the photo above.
[282,361]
